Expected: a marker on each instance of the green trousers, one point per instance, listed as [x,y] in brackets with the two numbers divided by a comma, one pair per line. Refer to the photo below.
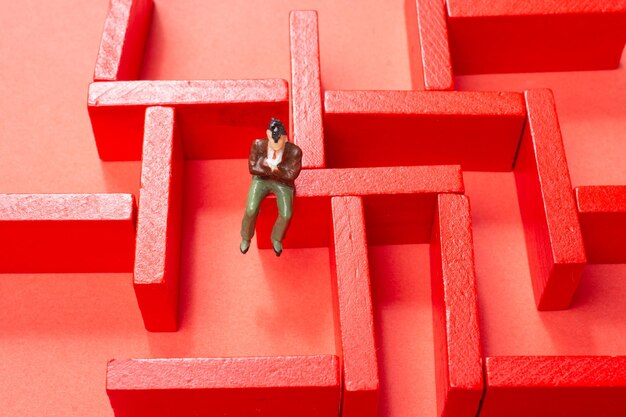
[259,189]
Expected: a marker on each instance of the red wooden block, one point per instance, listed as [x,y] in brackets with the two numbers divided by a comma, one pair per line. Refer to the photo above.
[555,386]
[489,36]
[556,252]
[602,213]
[305,386]
[123,40]
[45,233]
[458,353]
[433,38]
[353,303]
[209,113]
[157,256]
[479,130]
[380,181]
[410,191]
[306,88]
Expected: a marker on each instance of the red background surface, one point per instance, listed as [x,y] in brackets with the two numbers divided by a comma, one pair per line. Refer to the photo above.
[58,330]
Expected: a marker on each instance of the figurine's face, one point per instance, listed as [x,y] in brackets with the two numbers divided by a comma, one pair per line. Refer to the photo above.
[276,145]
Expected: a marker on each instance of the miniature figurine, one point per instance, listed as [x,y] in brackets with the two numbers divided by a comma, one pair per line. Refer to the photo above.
[274,164]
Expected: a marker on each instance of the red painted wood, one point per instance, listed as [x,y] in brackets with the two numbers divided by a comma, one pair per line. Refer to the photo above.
[458,353]
[479,130]
[435,51]
[44,233]
[123,40]
[556,252]
[555,386]
[512,36]
[532,7]
[353,304]
[306,88]
[209,113]
[380,180]
[238,387]
[410,191]
[104,341]
[602,213]
[157,259]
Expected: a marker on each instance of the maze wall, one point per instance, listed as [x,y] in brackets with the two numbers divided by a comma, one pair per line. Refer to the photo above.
[385,173]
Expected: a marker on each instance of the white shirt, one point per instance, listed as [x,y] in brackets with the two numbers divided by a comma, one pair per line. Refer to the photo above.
[271,161]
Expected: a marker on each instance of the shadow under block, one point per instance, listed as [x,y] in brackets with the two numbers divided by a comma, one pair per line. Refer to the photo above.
[478,130]
[399,203]
[554,242]
[48,233]
[307,386]
[458,352]
[207,111]
[535,35]
[555,386]
[602,212]
[306,88]
[157,259]
[354,317]
[124,36]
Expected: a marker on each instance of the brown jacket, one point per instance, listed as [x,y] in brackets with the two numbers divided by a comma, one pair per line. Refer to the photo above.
[288,168]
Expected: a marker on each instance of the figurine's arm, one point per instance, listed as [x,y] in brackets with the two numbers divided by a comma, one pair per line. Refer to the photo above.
[256,160]
[290,169]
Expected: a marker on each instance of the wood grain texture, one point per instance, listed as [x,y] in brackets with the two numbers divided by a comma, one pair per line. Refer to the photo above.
[470,103]
[435,51]
[157,267]
[354,313]
[124,36]
[532,7]
[373,181]
[157,93]
[46,233]
[490,36]
[478,130]
[458,352]
[399,203]
[208,111]
[66,207]
[306,88]
[556,386]
[554,240]
[261,386]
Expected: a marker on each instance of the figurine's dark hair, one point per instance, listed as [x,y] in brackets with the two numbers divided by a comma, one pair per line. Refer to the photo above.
[278,129]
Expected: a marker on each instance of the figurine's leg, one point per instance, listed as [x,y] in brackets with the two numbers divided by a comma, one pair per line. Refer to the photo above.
[258,190]
[284,199]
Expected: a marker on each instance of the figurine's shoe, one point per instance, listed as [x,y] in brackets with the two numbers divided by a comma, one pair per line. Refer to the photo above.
[278,247]
[244,246]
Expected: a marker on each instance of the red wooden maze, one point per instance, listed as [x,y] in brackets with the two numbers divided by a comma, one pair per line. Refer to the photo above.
[389,180]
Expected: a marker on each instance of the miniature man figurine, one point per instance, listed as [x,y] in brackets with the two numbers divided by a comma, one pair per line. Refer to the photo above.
[274,164]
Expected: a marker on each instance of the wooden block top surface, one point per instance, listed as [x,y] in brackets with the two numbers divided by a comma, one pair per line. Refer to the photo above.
[556,371]
[142,93]
[601,199]
[64,207]
[223,373]
[383,180]
[483,8]
[425,103]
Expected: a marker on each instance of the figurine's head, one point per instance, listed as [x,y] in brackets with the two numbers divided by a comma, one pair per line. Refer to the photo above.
[276,134]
